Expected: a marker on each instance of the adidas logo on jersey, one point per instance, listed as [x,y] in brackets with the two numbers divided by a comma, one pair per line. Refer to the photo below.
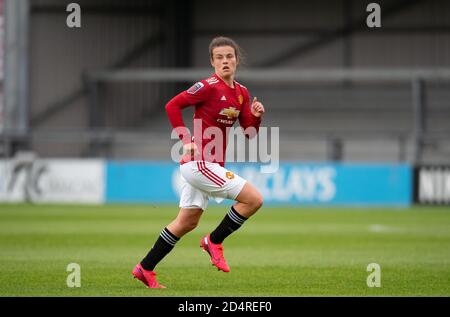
[223,98]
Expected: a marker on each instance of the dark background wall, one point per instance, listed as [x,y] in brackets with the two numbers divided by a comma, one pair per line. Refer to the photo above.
[292,34]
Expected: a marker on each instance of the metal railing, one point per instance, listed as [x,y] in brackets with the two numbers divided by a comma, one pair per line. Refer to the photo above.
[100,141]
[416,78]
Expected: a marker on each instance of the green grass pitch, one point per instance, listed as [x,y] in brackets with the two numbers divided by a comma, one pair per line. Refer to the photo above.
[279,252]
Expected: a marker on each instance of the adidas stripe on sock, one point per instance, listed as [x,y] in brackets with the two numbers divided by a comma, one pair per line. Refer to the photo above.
[163,245]
[232,221]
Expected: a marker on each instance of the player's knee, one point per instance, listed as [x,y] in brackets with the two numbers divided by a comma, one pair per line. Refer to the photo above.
[257,201]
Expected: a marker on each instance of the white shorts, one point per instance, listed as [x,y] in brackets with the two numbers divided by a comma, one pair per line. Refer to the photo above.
[202,180]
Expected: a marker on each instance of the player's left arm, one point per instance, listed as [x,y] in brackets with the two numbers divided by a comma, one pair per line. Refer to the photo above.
[250,116]
[257,108]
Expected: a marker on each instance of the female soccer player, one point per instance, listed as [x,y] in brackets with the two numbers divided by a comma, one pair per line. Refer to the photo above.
[219,102]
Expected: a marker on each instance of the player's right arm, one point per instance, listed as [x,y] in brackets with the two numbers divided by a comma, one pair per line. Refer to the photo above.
[198,93]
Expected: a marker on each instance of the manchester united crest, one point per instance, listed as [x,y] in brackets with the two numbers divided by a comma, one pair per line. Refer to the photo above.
[240,99]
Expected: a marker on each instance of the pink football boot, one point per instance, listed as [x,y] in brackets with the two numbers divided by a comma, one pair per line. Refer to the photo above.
[146,277]
[216,253]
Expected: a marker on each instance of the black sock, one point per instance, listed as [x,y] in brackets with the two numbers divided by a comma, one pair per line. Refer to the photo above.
[165,243]
[230,223]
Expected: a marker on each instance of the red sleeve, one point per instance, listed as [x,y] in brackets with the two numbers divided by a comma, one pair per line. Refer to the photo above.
[198,93]
[246,117]
[194,95]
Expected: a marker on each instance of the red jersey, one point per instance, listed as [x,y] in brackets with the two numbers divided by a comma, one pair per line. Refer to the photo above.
[216,105]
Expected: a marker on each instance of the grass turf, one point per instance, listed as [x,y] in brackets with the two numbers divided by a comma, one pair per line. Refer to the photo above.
[279,252]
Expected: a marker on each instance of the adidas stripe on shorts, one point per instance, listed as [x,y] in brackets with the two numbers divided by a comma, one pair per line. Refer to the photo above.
[202,180]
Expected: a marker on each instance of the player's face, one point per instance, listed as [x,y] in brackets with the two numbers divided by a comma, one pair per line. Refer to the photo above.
[224,61]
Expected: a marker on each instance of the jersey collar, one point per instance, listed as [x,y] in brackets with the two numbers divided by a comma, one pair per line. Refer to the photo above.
[219,78]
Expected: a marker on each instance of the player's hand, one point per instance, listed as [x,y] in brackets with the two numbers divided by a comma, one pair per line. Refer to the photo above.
[257,108]
[190,149]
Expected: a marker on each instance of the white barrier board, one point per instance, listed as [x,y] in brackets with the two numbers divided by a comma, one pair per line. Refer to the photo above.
[53,181]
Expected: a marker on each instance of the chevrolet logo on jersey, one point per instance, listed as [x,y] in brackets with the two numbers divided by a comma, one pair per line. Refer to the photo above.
[230,112]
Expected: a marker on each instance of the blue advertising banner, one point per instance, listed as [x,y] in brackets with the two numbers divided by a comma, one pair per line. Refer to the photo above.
[293,183]
[333,184]
[140,182]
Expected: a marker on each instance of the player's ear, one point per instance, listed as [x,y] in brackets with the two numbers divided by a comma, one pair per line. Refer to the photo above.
[212,62]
